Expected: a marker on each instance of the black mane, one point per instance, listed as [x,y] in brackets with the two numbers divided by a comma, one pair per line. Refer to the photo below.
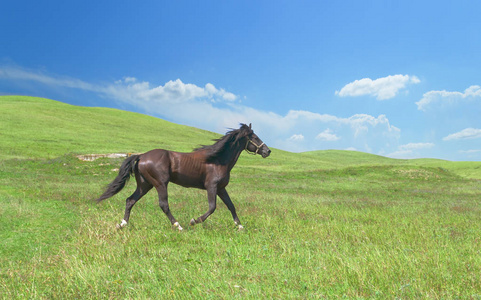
[229,141]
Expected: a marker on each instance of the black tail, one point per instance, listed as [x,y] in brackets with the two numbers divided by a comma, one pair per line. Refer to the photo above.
[126,169]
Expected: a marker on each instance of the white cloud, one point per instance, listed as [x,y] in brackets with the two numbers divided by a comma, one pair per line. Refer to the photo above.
[445,98]
[382,88]
[174,91]
[465,134]
[297,137]
[327,136]
[212,90]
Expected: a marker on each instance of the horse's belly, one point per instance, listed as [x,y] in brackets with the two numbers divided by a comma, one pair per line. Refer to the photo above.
[186,181]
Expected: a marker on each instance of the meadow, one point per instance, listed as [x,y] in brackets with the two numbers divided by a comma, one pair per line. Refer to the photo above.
[318,225]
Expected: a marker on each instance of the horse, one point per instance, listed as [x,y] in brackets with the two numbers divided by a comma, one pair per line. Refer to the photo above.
[207,167]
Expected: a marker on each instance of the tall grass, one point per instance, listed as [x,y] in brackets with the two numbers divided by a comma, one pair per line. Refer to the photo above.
[317,225]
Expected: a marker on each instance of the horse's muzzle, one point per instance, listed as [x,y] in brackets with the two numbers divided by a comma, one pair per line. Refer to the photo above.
[265,152]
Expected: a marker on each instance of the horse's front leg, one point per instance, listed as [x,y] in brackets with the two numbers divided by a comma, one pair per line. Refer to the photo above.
[212,198]
[226,199]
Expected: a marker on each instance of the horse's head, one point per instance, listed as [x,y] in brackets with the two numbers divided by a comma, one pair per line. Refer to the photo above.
[255,145]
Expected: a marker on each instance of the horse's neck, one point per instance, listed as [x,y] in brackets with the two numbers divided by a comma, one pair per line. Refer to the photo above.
[237,153]
[231,157]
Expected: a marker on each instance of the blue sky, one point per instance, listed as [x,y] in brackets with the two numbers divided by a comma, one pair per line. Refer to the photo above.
[396,78]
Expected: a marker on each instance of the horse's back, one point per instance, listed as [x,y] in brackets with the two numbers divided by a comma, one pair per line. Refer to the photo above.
[188,169]
[154,156]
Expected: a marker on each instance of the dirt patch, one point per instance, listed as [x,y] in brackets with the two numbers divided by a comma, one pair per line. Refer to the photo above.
[92,157]
[417,173]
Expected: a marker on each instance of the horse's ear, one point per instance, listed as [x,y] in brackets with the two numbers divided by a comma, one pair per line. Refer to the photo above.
[250,125]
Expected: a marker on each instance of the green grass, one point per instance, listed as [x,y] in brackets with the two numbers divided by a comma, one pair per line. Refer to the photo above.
[325,224]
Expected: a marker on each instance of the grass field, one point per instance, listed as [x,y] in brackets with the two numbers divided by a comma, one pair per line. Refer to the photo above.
[318,225]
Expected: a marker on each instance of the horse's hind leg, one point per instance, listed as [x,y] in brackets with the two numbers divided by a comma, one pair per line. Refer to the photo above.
[164,205]
[143,187]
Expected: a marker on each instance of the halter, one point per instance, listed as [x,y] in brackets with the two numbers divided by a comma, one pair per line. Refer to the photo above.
[255,145]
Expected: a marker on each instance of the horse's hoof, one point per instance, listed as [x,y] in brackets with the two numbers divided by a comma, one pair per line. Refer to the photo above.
[121,225]
[177,225]
[192,222]
[239,226]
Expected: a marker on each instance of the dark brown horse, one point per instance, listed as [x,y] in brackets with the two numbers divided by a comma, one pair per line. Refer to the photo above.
[207,168]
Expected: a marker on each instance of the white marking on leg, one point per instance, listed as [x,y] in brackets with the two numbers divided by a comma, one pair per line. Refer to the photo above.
[121,225]
[176,224]
[239,226]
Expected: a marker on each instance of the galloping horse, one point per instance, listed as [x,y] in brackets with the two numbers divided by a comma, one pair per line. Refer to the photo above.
[207,167]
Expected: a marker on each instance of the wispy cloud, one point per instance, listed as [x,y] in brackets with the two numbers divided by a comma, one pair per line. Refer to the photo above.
[382,88]
[129,88]
[296,137]
[411,150]
[416,146]
[17,73]
[465,134]
[444,98]
[363,132]
[216,109]
[472,151]
[359,123]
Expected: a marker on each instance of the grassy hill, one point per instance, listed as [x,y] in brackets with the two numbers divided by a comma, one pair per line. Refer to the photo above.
[36,128]
[322,224]
[42,128]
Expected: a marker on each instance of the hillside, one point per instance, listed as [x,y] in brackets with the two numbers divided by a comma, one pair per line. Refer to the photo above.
[340,159]
[41,128]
